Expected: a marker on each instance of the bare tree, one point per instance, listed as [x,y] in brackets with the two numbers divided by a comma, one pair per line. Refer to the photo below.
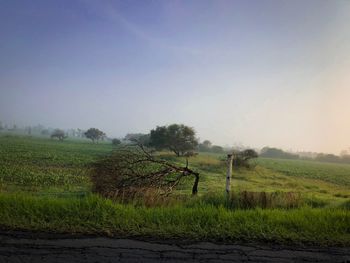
[131,169]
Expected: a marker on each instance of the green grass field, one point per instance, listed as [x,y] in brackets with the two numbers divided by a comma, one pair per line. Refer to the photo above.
[45,186]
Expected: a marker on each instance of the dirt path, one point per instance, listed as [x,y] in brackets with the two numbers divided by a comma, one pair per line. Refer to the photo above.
[30,247]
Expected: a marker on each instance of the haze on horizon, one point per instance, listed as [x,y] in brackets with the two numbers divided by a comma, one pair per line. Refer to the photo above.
[254,73]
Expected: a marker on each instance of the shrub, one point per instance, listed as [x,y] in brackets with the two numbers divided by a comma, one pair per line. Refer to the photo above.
[116,141]
[243,158]
[59,134]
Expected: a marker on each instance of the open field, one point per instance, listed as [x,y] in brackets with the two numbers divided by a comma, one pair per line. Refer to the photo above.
[45,186]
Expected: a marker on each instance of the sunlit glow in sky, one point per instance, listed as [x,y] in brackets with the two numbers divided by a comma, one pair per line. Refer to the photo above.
[254,73]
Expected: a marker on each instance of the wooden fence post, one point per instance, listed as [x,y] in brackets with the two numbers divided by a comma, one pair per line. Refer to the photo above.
[229,173]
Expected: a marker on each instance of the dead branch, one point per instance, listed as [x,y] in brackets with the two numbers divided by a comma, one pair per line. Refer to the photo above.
[132,168]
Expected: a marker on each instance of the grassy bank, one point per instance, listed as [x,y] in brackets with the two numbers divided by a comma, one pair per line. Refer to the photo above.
[200,222]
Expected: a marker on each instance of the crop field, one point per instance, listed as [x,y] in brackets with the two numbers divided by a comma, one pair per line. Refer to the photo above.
[45,185]
[32,164]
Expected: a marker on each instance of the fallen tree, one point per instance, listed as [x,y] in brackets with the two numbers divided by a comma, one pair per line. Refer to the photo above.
[132,169]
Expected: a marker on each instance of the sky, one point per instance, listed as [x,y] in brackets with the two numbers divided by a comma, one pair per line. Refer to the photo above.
[252,73]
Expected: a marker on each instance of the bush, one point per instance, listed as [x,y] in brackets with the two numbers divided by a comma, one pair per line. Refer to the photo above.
[243,158]
[116,141]
[59,134]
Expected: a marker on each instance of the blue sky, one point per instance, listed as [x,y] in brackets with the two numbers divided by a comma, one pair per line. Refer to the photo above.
[251,73]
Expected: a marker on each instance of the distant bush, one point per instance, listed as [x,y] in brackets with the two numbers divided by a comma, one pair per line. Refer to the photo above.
[116,141]
[59,134]
[243,158]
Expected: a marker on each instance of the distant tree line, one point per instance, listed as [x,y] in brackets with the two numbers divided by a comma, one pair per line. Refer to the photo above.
[178,138]
[206,146]
[277,153]
[268,152]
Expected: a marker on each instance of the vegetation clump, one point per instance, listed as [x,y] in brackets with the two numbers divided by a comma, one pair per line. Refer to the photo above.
[243,158]
[94,134]
[177,138]
[116,141]
[59,134]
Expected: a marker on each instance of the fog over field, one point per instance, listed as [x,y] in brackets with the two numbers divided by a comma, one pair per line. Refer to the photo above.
[254,73]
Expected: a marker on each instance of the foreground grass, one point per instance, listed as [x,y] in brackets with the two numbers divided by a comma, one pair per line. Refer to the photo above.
[92,214]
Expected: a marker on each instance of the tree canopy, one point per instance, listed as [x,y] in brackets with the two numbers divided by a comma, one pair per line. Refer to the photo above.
[59,134]
[94,134]
[177,138]
[205,146]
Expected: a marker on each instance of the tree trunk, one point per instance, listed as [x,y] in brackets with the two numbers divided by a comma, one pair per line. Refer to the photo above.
[229,173]
[195,184]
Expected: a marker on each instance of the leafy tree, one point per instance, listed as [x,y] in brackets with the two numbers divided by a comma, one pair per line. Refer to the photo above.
[205,146]
[176,137]
[59,134]
[116,141]
[1,127]
[207,143]
[94,134]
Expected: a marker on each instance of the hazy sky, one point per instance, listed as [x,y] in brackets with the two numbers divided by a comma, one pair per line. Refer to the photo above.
[256,73]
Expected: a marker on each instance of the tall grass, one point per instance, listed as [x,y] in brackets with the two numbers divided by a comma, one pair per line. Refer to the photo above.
[251,200]
[202,221]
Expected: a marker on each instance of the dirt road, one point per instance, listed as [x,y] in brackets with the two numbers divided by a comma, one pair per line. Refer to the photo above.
[33,247]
